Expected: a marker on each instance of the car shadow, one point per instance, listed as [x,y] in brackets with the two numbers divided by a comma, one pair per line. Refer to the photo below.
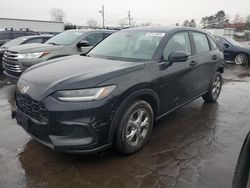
[175,141]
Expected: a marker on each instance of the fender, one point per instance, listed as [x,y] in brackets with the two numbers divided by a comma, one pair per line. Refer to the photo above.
[125,102]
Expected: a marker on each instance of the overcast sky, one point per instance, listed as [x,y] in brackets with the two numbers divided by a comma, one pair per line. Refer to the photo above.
[164,12]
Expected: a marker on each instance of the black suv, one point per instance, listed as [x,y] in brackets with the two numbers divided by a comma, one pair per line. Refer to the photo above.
[10,34]
[84,104]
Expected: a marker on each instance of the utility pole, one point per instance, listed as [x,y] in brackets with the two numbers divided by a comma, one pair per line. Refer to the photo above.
[102,12]
[129,19]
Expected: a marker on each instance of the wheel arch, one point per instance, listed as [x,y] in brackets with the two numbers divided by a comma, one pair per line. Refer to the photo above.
[148,95]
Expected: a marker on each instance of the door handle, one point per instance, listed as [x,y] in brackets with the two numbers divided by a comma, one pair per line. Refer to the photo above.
[215,57]
[193,63]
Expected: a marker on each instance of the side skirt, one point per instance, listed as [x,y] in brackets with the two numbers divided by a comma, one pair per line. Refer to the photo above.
[161,116]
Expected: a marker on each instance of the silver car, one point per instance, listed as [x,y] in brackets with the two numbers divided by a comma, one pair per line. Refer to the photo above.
[17,59]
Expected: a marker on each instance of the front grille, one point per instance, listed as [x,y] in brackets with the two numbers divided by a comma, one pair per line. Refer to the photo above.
[10,62]
[32,108]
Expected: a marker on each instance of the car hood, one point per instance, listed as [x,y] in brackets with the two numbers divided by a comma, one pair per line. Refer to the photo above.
[35,47]
[74,72]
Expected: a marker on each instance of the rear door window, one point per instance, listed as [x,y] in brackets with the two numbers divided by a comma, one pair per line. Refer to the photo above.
[201,42]
[213,45]
[35,40]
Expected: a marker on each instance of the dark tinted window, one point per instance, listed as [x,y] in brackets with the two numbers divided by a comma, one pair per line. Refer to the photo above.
[93,38]
[29,33]
[45,39]
[66,37]
[35,40]
[212,43]
[5,36]
[222,41]
[201,42]
[106,35]
[18,34]
[178,42]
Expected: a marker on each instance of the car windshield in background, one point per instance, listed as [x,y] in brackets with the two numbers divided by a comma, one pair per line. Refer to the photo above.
[14,42]
[129,46]
[234,43]
[65,38]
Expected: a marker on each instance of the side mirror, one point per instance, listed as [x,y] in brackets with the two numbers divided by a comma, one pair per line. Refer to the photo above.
[177,56]
[225,45]
[83,43]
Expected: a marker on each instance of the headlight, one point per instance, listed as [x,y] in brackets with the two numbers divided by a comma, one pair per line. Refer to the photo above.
[84,94]
[34,55]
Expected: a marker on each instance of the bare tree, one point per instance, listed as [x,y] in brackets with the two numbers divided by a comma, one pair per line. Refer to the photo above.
[92,23]
[57,14]
[185,23]
[192,23]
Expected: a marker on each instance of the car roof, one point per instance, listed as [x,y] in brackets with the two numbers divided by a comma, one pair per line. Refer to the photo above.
[165,29]
[91,30]
[37,36]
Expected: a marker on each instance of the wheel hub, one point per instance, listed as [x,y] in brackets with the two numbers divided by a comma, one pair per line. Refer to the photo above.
[137,127]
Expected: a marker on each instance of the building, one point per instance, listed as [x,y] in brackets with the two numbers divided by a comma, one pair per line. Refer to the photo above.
[34,25]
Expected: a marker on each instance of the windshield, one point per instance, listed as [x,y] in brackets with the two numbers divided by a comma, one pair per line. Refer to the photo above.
[65,38]
[129,46]
[234,43]
[14,42]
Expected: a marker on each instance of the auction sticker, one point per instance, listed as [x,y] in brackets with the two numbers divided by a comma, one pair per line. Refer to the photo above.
[155,34]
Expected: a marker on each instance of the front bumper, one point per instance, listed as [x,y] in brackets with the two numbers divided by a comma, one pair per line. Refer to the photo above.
[71,127]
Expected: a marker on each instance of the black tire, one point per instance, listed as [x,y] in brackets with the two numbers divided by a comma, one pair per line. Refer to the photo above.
[124,141]
[241,173]
[214,89]
[241,59]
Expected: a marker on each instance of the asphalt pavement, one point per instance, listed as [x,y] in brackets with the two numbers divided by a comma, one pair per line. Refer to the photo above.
[194,146]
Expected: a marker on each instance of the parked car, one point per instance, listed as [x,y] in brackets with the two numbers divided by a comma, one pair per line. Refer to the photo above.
[84,104]
[10,34]
[246,43]
[20,41]
[234,51]
[18,59]
[242,171]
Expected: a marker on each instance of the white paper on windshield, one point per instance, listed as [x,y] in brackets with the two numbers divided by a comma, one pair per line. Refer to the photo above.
[155,34]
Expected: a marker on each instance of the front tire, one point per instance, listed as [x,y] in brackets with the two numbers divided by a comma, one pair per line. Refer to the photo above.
[134,127]
[214,89]
[241,59]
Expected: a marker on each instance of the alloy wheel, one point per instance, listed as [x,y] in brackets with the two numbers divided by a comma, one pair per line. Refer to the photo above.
[137,127]
[239,59]
[216,88]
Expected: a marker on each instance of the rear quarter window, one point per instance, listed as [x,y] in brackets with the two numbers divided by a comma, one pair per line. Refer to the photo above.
[201,42]
[213,45]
